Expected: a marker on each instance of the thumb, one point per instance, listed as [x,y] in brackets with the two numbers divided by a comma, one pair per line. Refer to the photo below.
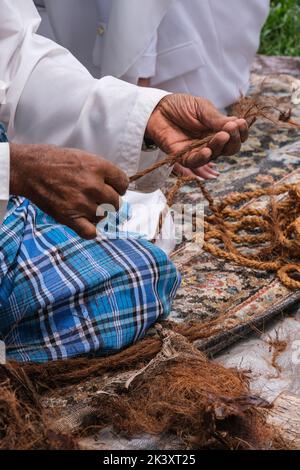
[212,117]
[84,228]
[216,120]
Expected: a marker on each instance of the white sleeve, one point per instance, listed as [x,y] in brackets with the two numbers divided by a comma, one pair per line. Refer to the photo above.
[4,178]
[52,98]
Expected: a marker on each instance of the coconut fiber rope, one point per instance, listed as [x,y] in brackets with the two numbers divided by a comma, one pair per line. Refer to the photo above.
[265,238]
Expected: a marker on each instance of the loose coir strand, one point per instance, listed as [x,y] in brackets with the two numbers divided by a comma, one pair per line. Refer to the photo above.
[265,238]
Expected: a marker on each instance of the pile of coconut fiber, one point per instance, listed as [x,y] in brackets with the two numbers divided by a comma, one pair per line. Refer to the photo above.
[161,386]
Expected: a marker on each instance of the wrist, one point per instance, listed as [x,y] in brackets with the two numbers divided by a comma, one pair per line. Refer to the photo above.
[149,145]
[151,127]
[17,176]
[145,82]
[156,122]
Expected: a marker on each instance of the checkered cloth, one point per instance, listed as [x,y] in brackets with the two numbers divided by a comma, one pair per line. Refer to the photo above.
[61,296]
[3,137]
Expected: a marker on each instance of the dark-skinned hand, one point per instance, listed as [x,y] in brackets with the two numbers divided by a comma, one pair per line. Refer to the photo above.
[68,184]
[179,120]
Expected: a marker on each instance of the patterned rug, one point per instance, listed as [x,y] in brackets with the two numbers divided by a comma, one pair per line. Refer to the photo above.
[240,298]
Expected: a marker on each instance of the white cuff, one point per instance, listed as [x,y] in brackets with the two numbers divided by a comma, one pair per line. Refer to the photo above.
[3,89]
[134,131]
[4,178]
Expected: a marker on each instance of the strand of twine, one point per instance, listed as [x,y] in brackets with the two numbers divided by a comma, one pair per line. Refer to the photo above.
[264,238]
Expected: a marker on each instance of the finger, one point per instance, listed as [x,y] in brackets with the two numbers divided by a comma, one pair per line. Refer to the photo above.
[111,197]
[212,165]
[180,170]
[94,213]
[212,118]
[87,207]
[210,169]
[116,178]
[244,130]
[212,172]
[218,143]
[204,173]
[197,157]
[234,144]
[84,228]
[218,122]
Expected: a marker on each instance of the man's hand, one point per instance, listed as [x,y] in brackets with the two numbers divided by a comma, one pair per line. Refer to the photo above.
[67,184]
[179,120]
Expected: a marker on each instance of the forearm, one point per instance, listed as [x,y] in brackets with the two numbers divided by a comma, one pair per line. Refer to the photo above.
[19,177]
[14,177]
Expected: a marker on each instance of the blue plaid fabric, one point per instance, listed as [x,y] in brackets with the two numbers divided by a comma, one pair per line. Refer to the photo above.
[3,137]
[61,296]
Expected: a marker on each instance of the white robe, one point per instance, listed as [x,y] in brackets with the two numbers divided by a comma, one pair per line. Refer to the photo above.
[201,47]
[47,96]
[207,47]
[112,35]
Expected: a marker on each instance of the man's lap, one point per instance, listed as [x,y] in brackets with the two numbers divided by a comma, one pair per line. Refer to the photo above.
[62,296]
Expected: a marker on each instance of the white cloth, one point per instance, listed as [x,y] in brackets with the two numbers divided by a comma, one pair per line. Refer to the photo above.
[201,47]
[89,32]
[4,178]
[206,47]
[145,65]
[154,204]
[49,97]
[3,88]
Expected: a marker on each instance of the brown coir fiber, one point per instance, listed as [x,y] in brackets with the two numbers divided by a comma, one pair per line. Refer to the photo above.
[22,422]
[278,347]
[178,392]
